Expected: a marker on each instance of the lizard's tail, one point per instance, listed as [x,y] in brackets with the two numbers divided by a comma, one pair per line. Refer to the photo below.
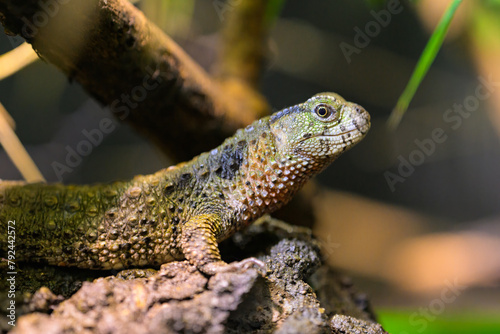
[60,224]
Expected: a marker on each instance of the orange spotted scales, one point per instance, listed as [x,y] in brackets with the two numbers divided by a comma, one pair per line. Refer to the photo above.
[182,212]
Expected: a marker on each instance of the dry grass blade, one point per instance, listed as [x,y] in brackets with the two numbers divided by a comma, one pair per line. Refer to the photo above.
[16,151]
[7,118]
[17,59]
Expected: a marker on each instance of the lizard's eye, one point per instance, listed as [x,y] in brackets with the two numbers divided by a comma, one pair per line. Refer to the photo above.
[324,112]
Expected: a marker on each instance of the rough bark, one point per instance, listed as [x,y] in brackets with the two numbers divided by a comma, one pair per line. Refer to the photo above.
[297,295]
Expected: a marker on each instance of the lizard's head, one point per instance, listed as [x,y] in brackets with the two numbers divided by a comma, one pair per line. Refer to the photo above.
[320,129]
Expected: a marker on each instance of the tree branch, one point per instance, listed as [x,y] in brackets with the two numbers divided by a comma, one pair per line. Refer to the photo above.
[127,63]
[243,48]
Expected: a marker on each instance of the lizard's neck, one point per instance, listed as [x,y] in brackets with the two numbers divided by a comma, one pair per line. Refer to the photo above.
[267,180]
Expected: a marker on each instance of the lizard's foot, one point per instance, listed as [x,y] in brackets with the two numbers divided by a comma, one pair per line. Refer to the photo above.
[212,268]
[199,245]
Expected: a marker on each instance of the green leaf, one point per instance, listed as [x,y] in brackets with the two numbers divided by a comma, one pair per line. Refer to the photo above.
[425,61]
[396,321]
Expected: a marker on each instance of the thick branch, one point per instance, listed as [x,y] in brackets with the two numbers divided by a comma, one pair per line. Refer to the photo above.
[243,48]
[127,63]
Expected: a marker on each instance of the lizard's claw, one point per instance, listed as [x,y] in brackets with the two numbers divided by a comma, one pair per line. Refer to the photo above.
[252,262]
[220,266]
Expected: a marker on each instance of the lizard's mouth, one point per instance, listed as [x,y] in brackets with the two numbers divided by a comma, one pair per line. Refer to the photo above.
[334,135]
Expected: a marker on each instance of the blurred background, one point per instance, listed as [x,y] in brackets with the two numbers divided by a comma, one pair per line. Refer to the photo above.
[413,215]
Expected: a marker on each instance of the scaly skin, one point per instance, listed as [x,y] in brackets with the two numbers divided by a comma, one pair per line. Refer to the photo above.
[185,210]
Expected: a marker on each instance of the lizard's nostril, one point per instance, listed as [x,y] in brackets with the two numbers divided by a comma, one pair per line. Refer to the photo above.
[365,116]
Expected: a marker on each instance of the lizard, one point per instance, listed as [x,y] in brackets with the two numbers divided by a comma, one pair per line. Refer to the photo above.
[183,211]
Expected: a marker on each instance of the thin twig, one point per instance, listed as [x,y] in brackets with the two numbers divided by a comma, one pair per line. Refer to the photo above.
[17,59]
[16,151]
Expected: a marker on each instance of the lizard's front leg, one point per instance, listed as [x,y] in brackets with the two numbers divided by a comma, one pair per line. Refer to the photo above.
[199,245]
